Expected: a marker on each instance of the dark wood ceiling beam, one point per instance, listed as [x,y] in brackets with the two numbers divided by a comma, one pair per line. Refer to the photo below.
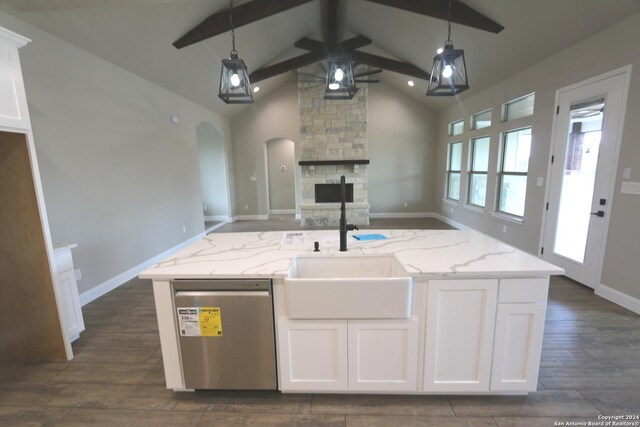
[390,65]
[310,44]
[355,43]
[460,12]
[332,23]
[284,66]
[243,14]
[366,73]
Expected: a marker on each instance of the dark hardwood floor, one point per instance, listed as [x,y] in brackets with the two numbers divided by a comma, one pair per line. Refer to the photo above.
[590,367]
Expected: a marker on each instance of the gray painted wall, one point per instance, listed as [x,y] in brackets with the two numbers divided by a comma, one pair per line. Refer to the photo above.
[274,116]
[119,178]
[618,44]
[282,184]
[213,170]
[402,149]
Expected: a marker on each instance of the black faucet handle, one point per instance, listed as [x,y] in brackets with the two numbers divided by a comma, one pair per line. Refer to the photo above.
[351,227]
[316,246]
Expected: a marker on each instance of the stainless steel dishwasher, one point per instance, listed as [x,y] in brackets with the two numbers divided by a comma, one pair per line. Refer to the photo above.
[227,338]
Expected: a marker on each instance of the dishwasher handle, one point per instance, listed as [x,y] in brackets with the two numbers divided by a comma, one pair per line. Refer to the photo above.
[222,294]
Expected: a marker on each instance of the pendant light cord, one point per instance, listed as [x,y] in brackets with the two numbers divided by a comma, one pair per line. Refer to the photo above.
[449,23]
[233,33]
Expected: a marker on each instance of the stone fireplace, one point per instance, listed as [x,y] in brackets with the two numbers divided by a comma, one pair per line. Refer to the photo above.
[333,142]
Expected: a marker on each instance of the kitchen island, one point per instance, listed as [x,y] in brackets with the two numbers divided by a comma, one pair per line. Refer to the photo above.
[474,320]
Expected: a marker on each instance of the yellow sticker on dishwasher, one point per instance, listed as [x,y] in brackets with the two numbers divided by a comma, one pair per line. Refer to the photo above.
[210,321]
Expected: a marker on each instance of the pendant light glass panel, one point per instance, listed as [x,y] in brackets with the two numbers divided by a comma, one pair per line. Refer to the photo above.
[339,82]
[235,87]
[449,73]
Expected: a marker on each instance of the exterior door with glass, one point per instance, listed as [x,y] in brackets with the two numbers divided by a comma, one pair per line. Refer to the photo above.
[586,140]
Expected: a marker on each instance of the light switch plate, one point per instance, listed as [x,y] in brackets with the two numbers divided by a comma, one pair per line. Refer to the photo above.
[630,187]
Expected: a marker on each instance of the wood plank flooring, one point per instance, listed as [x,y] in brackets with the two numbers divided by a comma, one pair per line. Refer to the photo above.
[590,367]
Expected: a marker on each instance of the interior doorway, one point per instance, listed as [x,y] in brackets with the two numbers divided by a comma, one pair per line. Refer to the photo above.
[280,158]
[213,175]
[586,141]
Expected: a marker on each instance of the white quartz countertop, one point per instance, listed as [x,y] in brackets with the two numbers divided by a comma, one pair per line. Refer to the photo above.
[424,253]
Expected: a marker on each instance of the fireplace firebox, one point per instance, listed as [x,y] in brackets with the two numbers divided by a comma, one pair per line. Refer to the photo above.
[330,193]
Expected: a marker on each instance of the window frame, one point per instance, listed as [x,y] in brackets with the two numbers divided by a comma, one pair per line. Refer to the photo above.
[501,173]
[450,171]
[474,121]
[471,172]
[505,107]
[452,124]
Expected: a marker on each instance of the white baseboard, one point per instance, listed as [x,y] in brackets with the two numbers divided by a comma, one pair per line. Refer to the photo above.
[250,218]
[109,285]
[225,218]
[456,224]
[215,227]
[282,211]
[402,215]
[620,298]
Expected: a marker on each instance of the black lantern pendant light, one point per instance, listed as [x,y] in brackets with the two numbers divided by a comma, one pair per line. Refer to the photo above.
[235,87]
[449,71]
[340,81]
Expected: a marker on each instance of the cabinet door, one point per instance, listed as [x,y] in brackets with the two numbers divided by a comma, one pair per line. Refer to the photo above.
[13,101]
[72,311]
[518,343]
[312,355]
[459,334]
[383,355]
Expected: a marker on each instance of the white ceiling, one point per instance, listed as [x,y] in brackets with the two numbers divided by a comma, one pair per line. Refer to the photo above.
[137,35]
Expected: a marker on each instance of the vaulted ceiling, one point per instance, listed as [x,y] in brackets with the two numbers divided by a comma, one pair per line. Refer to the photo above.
[138,35]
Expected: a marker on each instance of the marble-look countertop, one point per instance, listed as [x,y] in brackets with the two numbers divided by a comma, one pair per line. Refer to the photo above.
[424,253]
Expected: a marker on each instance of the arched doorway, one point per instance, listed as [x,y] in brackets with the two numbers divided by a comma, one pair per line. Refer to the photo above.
[213,175]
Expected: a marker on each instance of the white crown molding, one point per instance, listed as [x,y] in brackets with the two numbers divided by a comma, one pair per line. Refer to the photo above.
[13,39]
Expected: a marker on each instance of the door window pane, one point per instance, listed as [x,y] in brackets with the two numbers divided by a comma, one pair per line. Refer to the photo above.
[578,181]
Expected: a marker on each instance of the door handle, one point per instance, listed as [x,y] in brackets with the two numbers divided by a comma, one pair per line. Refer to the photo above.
[599,213]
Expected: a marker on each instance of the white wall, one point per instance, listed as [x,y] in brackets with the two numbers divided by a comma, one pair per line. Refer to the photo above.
[613,48]
[213,171]
[402,149]
[119,178]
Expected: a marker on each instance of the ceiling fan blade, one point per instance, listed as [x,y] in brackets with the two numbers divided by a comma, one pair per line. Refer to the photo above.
[355,43]
[366,81]
[310,44]
[366,73]
[460,12]
[284,66]
[390,65]
[243,14]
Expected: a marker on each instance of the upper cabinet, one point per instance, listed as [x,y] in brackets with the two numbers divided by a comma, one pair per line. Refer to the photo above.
[13,101]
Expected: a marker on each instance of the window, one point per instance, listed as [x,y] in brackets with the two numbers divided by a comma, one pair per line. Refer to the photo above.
[514,166]
[481,120]
[454,164]
[479,156]
[456,128]
[518,108]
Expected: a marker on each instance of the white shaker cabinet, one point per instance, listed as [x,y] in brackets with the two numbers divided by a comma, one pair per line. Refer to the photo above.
[348,355]
[383,355]
[312,355]
[67,290]
[460,320]
[519,333]
[13,101]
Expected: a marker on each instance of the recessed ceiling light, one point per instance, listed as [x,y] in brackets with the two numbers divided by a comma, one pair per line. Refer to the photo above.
[256,89]
[410,83]
[439,51]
